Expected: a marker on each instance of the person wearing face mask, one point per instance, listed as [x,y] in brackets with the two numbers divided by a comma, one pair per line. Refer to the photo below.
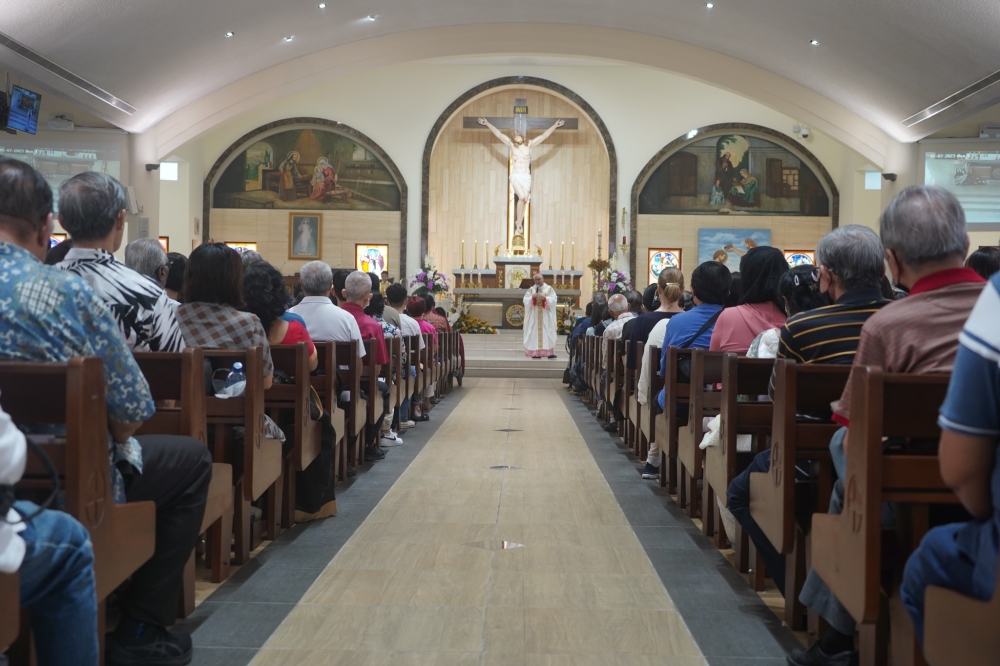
[850,269]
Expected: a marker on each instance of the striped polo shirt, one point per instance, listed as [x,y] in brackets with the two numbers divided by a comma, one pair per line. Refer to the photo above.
[829,334]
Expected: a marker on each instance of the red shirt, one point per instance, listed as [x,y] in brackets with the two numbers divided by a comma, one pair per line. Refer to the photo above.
[370,330]
[297,333]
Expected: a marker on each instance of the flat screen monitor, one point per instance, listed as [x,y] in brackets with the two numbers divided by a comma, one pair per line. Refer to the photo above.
[24,108]
[970,171]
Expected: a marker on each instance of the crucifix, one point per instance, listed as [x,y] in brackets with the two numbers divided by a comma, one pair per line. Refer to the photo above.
[519,164]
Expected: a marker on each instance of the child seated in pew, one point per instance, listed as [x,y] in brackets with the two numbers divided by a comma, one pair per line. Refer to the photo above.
[52,553]
[963,556]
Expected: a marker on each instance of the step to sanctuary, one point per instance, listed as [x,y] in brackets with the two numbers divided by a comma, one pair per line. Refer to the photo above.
[502,355]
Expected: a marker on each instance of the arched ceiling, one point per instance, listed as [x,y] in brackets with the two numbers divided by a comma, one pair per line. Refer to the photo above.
[879,60]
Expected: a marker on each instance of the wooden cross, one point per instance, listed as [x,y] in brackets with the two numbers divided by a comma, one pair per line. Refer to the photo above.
[520,122]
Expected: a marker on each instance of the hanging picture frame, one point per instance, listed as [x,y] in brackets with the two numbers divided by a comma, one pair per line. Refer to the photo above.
[660,258]
[800,257]
[371,258]
[305,233]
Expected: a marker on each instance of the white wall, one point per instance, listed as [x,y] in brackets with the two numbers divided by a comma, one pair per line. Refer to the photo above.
[396,106]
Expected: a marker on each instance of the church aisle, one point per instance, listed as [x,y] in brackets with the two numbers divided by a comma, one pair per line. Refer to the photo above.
[501,543]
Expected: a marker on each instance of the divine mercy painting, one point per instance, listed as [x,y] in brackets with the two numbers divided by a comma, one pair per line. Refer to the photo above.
[307,169]
[734,173]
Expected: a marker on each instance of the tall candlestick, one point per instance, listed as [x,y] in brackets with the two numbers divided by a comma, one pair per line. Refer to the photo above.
[463,254]
[572,258]
[550,255]
[562,256]
[475,255]
[486,264]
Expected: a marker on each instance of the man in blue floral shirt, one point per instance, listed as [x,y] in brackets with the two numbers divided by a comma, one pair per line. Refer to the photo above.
[50,315]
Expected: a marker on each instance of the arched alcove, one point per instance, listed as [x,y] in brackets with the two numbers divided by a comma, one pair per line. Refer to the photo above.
[464,193]
[777,186]
[367,205]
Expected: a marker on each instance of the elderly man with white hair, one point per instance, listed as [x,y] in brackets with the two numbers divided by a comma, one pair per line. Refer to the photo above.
[540,320]
[324,320]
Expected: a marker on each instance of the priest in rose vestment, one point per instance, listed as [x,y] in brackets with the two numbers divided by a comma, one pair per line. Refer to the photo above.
[540,320]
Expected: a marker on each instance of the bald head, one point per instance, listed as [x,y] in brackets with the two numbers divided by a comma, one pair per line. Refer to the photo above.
[617,304]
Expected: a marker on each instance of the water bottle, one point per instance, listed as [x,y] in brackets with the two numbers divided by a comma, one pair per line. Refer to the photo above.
[236,375]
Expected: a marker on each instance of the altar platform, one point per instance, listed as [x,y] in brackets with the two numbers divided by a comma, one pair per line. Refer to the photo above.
[502,355]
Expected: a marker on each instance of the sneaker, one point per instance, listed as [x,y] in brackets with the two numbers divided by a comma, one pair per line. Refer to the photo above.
[391,439]
[553,356]
[406,425]
[650,472]
[611,427]
[154,646]
[372,453]
[814,656]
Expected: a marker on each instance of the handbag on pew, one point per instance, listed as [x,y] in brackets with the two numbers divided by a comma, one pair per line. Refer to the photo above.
[684,364]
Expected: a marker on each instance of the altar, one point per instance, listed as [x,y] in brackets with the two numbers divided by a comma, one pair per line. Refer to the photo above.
[495,294]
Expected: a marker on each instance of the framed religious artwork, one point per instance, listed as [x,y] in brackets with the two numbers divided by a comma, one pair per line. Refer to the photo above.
[164,243]
[662,258]
[241,247]
[55,239]
[304,235]
[371,258]
[800,257]
[728,245]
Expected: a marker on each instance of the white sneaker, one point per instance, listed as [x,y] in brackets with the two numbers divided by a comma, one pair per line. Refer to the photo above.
[406,425]
[391,439]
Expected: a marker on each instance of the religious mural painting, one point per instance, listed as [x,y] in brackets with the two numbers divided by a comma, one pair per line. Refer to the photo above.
[304,233]
[728,245]
[661,259]
[242,247]
[800,258]
[371,258]
[307,169]
[734,173]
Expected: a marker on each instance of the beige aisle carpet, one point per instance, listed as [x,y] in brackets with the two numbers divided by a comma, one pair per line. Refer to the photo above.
[462,563]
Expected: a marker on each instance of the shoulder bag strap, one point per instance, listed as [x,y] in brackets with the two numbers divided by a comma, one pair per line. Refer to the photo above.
[707,325]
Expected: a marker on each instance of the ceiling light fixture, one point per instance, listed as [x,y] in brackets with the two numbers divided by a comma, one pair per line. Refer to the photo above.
[709,5]
[289,38]
[322,5]
[372,17]
[230,33]
[814,42]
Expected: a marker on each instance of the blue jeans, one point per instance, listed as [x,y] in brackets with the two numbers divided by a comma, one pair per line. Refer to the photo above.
[960,557]
[58,589]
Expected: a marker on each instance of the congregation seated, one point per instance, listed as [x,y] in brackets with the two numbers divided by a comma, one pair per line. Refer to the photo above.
[600,317]
[416,307]
[693,329]
[850,268]
[52,553]
[924,234]
[798,290]
[759,308]
[985,261]
[669,292]
[52,315]
[376,309]
[395,295]
[324,320]
[624,309]
[147,257]
[176,264]
[211,316]
[963,556]
[92,208]
[265,296]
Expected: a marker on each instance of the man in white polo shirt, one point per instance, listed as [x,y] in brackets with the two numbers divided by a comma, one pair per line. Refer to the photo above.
[324,320]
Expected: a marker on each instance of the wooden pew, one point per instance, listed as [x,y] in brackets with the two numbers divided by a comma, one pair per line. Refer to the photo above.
[180,379]
[307,438]
[10,610]
[706,369]
[413,359]
[616,380]
[740,376]
[261,457]
[798,389]
[72,394]
[630,405]
[325,384]
[668,423]
[848,548]
[356,407]
[649,417]
[958,629]
[392,372]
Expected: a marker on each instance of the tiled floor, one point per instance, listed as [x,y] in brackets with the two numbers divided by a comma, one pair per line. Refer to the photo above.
[462,563]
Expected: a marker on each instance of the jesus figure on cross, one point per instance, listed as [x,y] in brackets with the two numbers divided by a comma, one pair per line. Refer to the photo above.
[520,171]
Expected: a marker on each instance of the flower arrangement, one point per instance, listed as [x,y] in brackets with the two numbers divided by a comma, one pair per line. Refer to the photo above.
[565,321]
[599,265]
[615,282]
[428,280]
[472,325]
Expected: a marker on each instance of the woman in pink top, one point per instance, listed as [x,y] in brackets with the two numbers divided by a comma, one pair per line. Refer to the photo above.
[760,307]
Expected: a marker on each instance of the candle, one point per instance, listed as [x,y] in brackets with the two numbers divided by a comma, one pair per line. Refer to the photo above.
[550,255]
[475,254]
[463,254]
[562,256]
[486,263]
[572,258]
[623,240]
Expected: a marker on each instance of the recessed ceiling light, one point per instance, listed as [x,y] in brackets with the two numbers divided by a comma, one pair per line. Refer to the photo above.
[289,38]
[814,42]
[230,33]
[372,17]
[322,5]
[710,5]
